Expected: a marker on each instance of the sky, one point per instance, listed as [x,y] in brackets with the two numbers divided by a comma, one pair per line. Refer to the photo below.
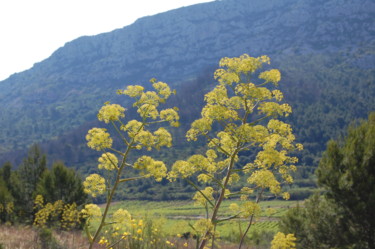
[31,30]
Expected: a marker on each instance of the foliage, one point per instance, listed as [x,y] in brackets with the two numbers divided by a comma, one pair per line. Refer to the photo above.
[29,174]
[61,183]
[318,224]
[47,241]
[57,214]
[240,115]
[6,202]
[347,172]
[134,135]
[57,187]
[343,217]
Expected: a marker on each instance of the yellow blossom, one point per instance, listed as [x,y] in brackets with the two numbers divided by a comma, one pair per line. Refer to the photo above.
[133,91]
[162,138]
[121,216]
[162,89]
[91,210]
[151,167]
[111,112]
[286,196]
[282,241]
[98,139]
[200,197]
[272,75]
[108,161]
[148,111]
[265,179]
[171,116]
[94,185]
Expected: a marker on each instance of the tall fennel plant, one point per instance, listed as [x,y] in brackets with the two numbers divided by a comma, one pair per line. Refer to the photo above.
[241,114]
[145,133]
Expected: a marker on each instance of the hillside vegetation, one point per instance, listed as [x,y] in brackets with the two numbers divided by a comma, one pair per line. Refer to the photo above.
[324,48]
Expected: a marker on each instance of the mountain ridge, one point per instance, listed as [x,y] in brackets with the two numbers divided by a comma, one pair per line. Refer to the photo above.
[65,91]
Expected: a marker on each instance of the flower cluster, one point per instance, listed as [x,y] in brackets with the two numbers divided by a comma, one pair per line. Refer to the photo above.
[282,241]
[66,215]
[135,134]
[94,185]
[98,139]
[108,161]
[70,217]
[91,211]
[234,120]
[111,112]
[150,167]
[200,197]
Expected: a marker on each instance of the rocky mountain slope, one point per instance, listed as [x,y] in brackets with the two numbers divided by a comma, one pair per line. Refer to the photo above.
[309,40]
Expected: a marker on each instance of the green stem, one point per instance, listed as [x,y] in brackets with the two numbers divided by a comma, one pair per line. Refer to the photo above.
[250,221]
[220,200]
[196,187]
[114,188]
[120,133]
[217,145]
[229,218]
[132,178]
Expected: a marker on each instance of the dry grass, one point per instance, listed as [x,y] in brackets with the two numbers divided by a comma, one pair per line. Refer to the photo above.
[26,237]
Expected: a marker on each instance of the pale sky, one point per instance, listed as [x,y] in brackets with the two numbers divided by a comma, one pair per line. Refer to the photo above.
[31,30]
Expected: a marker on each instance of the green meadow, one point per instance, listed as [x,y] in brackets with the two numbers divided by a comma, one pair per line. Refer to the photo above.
[175,217]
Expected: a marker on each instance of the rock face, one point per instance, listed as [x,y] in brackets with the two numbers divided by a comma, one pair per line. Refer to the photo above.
[65,90]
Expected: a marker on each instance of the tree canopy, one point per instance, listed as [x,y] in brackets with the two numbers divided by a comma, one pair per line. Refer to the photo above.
[343,217]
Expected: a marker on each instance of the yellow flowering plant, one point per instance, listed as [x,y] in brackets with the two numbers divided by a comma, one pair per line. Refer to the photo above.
[246,108]
[137,134]
[67,216]
[282,241]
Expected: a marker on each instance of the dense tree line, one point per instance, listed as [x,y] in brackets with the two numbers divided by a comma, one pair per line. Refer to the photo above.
[19,187]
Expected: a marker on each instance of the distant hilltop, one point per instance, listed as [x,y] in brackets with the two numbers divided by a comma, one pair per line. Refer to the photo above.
[64,92]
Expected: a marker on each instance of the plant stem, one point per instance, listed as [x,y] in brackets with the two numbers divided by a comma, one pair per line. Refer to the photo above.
[250,221]
[113,190]
[220,200]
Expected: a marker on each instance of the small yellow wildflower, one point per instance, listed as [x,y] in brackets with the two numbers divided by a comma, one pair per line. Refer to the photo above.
[140,223]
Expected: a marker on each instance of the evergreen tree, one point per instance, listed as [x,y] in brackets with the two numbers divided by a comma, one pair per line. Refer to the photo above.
[318,224]
[29,174]
[6,202]
[347,172]
[344,216]
[61,183]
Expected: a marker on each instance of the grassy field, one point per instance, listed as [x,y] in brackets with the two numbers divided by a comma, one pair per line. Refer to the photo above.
[174,219]
[176,209]
[177,215]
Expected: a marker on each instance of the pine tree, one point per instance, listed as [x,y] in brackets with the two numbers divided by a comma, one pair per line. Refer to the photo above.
[347,172]
[61,183]
[30,172]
